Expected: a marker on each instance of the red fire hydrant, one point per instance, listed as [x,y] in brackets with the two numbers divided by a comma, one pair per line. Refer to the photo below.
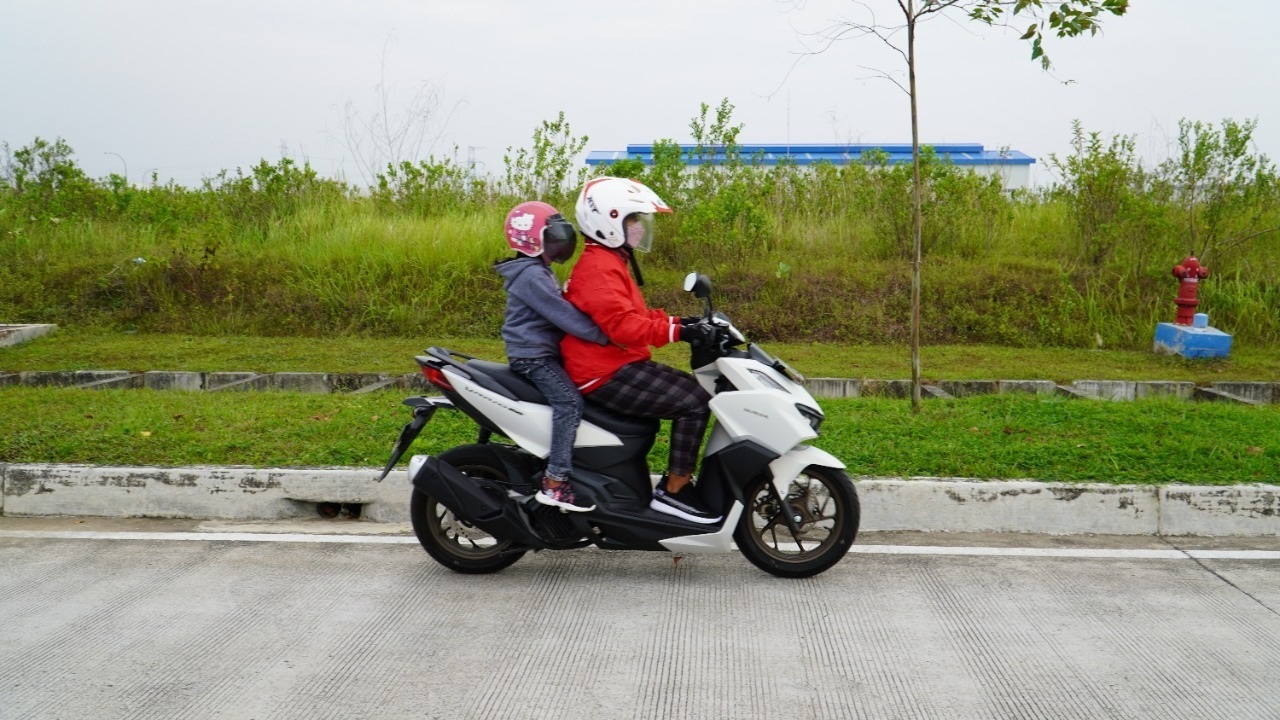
[1190,273]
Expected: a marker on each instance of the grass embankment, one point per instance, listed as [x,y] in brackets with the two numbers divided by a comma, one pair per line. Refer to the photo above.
[1150,442]
[75,349]
[798,254]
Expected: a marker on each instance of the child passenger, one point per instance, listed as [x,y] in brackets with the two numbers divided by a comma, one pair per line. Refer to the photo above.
[537,318]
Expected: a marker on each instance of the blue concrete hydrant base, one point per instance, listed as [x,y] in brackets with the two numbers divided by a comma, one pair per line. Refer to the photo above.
[1191,342]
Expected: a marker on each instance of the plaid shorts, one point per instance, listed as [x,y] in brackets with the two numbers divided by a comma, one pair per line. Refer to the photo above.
[652,390]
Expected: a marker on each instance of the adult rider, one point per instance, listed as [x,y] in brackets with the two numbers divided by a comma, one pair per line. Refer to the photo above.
[615,216]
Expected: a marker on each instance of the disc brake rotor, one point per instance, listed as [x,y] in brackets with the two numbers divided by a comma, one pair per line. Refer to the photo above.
[451,525]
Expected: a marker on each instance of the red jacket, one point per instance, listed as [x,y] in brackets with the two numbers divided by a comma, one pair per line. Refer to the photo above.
[601,286]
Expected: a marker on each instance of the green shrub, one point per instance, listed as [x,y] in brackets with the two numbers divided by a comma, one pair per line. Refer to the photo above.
[816,253]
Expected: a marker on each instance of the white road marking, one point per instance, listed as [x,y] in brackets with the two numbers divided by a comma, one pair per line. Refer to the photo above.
[1097,553]
[210,537]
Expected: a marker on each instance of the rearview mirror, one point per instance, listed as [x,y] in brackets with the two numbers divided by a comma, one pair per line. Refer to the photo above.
[698,284]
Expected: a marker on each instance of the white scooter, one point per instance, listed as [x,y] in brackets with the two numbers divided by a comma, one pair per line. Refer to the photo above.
[788,507]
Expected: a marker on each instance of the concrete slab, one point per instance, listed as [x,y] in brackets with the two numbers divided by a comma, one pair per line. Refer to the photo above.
[14,334]
[236,381]
[969,388]
[1106,389]
[1163,388]
[48,378]
[887,388]
[10,378]
[417,383]
[1262,393]
[1070,391]
[167,380]
[1215,395]
[394,383]
[351,382]
[833,387]
[1026,387]
[108,380]
[304,382]
[935,392]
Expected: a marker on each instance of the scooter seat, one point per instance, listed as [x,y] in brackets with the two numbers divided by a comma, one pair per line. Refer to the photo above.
[521,388]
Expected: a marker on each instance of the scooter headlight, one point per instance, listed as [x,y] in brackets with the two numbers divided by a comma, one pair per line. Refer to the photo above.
[814,417]
[767,381]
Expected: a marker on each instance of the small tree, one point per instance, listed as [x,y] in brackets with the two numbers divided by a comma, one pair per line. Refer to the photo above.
[543,171]
[1068,18]
[1224,189]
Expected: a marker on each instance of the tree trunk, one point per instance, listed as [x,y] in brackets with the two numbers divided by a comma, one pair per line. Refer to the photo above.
[917,221]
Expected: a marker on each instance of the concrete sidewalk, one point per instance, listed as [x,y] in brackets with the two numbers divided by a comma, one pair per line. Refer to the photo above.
[917,504]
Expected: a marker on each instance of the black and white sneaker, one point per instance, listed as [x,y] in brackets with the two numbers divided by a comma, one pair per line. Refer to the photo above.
[562,496]
[684,504]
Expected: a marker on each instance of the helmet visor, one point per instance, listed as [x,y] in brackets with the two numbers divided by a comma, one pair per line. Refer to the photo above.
[639,230]
[559,239]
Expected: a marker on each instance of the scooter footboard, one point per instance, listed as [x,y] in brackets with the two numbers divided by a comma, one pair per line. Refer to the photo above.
[478,501]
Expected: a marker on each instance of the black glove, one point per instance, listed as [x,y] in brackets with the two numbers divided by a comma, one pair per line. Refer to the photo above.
[690,320]
[698,335]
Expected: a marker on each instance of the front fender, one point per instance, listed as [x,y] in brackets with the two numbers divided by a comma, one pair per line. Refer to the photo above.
[788,467]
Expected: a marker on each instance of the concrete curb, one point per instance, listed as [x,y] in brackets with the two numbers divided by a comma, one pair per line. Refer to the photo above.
[1248,393]
[239,493]
[920,504]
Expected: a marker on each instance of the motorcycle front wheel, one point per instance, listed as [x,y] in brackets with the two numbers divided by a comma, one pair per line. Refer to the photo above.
[823,521]
[451,541]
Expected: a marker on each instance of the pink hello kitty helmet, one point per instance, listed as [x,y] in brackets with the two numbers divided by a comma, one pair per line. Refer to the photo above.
[537,229]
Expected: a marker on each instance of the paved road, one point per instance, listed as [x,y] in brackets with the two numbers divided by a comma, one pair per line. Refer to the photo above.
[132,626]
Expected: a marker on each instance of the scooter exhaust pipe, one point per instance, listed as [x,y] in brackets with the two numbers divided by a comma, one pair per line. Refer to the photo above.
[478,501]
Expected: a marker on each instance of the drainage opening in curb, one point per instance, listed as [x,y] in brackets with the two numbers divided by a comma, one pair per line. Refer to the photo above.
[349,511]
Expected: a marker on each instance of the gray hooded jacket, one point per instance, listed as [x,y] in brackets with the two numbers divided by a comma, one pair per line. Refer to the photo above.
[538,316]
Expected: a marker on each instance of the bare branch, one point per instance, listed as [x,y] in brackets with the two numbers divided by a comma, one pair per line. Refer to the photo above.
[389,135]
[1246,238]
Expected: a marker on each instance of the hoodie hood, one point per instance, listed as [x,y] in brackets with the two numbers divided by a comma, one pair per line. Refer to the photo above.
[511,268]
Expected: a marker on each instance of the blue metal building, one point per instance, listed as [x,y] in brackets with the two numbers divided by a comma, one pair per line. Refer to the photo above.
[1013,167]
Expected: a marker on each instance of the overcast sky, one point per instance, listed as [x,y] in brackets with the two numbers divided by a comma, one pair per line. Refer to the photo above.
[189,87]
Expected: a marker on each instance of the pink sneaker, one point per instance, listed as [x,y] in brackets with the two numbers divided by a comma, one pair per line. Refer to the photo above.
[561,496]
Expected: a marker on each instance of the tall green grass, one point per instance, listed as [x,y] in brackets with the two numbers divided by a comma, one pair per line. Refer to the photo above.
[799,254]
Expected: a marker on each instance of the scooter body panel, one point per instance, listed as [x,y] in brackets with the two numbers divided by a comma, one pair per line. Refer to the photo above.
[527,424]
[717,542]
[768,417]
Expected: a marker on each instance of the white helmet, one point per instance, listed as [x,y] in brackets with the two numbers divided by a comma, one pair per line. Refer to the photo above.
[604,205]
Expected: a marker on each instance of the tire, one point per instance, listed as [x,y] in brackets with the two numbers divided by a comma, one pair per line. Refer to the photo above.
[827,504]
[452,542]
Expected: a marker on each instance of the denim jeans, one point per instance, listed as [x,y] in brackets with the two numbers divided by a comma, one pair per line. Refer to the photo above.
[566,408]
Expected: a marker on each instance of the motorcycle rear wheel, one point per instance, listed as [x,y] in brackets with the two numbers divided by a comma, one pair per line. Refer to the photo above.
[828,514]
[451,541]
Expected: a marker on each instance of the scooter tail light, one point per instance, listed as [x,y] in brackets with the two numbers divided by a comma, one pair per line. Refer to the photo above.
[436,377]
